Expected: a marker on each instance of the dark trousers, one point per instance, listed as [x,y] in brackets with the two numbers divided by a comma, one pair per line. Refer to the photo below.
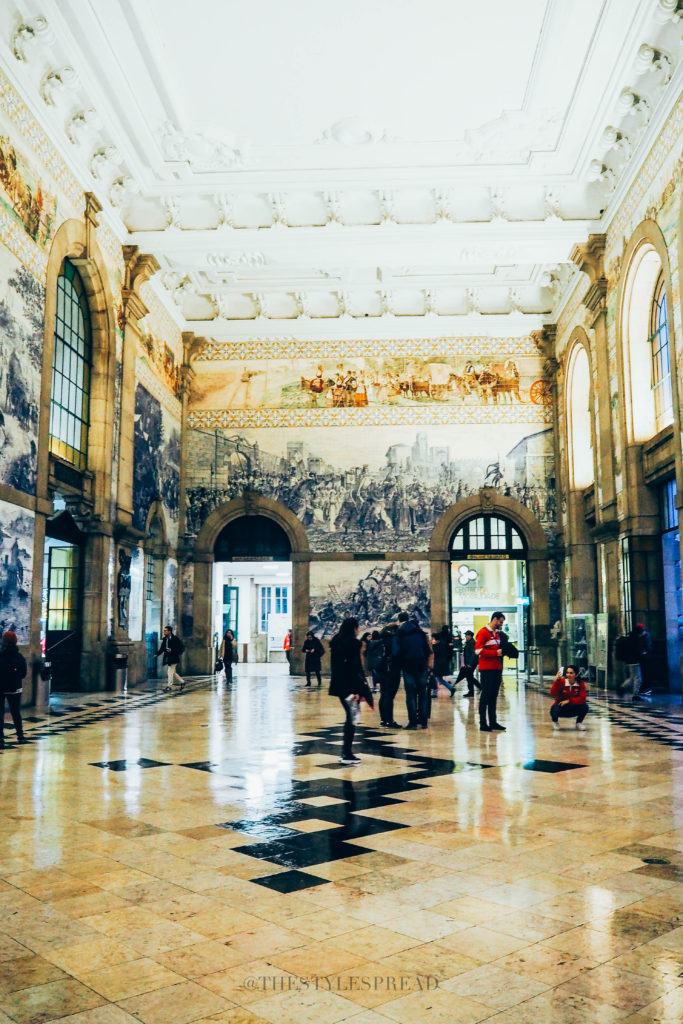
[14,701]
[288,656]
[349,730]
[417,696]
[467,672]
[388,688]
[490,679]
[577,711]
[310,667]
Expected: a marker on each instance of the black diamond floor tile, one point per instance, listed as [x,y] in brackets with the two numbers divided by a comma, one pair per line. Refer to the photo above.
[290,881]
[123,765]
[550,766]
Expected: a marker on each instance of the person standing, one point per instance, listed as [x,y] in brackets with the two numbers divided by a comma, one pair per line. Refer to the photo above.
[228,652]
[488,648]
[12,673]
[287,648]
[469,663]
[170,649]
[569,692]
[636,655]
[389,678]
[412,654]
[374,656]
[347,682]
[314,650]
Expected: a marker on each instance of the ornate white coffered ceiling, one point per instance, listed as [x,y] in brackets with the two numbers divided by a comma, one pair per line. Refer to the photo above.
[356,167]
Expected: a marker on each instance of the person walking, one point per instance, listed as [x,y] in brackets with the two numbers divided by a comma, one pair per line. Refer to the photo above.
[287,648]
[314,650]
[442,647]
[12,673]
[347,683]
[228,652]
[413,656]
[569,691]
[469,664]
[488,648]
[170,649]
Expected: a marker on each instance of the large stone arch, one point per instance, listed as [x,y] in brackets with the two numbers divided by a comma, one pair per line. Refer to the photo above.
[75,239]
[489,502]
[200,648]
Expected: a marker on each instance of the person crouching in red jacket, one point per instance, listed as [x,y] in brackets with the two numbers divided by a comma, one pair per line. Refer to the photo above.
[569,692]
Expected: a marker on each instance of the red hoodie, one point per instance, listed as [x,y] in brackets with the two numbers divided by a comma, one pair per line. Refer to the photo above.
[487,646]
[574,692]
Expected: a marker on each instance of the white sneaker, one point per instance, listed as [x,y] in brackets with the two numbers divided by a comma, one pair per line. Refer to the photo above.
[556,726]
[581,727]
[349,760]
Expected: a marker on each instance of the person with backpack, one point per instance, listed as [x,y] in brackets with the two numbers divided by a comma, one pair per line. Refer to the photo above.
[227,653]
[12,672]
[413,656]
[442,648]
[170,648]
[313,651]
[634,651]
[469,664]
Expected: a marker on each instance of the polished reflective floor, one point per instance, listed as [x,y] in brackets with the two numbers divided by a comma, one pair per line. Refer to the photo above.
[202,856]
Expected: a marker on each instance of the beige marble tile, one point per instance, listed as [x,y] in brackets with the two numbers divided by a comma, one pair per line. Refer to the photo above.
[438,1007]
[303,1007]
[175,1004]
[494,986]
[40,1003]
[130,979]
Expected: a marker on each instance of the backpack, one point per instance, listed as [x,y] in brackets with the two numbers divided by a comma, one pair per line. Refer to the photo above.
[622,648]
[375,655]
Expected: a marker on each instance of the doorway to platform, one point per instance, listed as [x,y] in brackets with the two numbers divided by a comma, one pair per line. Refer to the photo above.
[62,601]
[252,588]
[489,573]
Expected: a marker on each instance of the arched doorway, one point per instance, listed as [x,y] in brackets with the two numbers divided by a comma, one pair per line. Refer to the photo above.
[199,604]
[489,573]
[252,586]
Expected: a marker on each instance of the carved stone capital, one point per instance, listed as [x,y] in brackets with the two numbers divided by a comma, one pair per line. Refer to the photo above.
[590,259]
[192,347]
[544,340]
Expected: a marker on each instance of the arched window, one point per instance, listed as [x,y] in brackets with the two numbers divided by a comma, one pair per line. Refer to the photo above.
[579,419]
[488,535]
[71,362]
[661,366]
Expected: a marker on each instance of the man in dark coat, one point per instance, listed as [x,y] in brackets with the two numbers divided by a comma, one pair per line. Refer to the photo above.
[412,654]
[12,672]
[314,650]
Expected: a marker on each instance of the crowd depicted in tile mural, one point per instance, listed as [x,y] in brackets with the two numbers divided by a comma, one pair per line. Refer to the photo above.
[391,501]
[374,595]
[21,342]
[366,381]
[16,569]
[157,459]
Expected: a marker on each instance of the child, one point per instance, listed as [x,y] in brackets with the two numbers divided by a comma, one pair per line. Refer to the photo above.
[569,692]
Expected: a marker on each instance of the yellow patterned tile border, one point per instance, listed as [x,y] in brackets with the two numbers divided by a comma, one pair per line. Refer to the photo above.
[240,419]
[474,347]
[23,121]
[145,375]
[21,245]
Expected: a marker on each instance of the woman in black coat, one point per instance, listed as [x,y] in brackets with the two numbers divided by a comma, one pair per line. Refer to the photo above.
[347,682]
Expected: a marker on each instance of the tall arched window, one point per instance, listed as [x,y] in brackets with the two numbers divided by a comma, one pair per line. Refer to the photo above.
[488,535]
[661,366]
[71,363]
[579,419]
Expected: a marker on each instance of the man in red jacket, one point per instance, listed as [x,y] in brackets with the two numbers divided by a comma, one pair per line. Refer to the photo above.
[487,646]
[570,698]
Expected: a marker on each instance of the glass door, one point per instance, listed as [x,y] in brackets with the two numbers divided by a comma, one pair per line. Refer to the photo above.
[62,612]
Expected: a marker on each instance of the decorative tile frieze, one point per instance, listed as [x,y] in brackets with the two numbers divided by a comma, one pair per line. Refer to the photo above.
[407,347]
[160,322]
[239,419]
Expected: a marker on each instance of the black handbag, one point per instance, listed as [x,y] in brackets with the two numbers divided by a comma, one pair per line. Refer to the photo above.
[218,667]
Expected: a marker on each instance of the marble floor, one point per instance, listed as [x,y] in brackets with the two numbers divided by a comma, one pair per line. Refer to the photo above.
[203,857]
